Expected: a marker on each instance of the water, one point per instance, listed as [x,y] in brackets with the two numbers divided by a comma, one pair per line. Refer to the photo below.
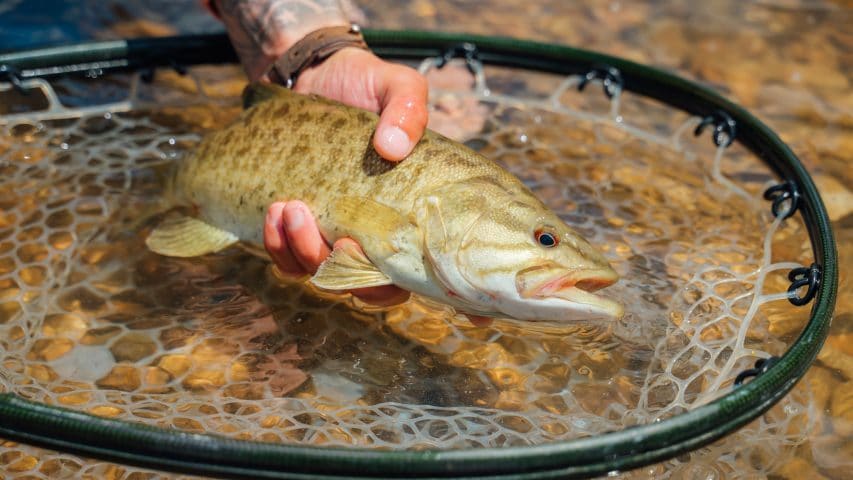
[311,346]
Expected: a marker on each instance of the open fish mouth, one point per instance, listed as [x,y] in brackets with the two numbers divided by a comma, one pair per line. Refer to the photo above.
[576,286]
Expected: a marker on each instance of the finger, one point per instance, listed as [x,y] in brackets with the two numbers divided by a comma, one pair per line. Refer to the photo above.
[479,320]
[402,92]
[304,236]
[275,242]
[383,295]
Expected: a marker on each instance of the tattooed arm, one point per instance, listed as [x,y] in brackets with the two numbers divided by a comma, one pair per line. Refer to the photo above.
[261,31]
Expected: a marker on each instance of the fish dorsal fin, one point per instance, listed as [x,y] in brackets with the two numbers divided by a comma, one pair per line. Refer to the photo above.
[188,237]
[347,268]
[255,93]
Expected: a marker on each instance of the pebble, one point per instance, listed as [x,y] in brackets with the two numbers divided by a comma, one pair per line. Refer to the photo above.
[837,197]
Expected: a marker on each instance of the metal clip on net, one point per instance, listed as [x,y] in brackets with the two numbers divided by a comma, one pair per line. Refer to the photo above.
[611,79]
[779,195]
[725,128]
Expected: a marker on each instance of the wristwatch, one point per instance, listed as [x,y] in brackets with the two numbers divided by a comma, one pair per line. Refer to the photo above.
[312,50]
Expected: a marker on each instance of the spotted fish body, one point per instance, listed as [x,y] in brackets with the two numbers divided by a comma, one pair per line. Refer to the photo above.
[446,222]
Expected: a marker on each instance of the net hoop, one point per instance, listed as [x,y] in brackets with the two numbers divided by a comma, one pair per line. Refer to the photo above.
[208,454]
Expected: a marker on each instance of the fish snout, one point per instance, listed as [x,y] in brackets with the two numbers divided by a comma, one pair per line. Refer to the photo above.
[544,281]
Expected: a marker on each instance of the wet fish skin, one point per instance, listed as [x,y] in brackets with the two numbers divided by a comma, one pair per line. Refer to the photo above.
[446,222]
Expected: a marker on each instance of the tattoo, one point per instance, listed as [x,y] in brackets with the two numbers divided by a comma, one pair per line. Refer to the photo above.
[272,23]
[262,30]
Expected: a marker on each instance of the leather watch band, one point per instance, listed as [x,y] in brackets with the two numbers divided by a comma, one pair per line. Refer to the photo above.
[313,49]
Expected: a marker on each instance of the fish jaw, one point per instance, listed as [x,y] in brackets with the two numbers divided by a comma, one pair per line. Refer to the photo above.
[586,305]
[567,295]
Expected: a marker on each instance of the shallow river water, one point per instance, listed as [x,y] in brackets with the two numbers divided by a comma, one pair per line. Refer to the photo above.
[91,320]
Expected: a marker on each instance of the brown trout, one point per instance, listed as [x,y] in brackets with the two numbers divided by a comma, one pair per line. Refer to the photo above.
[445,223]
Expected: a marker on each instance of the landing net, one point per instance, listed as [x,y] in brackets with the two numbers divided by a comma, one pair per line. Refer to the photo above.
[89,319]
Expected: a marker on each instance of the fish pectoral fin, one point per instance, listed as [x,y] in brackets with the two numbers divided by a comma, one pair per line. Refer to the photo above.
[188,237]
[375,226]
[363,214]
[347,268]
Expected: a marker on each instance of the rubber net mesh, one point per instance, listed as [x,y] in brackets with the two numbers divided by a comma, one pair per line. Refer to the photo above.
[91,320]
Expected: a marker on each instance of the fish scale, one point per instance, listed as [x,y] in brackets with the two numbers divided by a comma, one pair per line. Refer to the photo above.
[446,222]
[298,161]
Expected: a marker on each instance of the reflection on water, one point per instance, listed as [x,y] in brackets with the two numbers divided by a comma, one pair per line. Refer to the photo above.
[216,344]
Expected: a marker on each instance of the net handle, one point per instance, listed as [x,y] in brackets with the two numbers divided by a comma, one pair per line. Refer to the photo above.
[68,430]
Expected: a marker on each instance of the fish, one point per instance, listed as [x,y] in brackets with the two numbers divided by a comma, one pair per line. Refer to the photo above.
[446,223]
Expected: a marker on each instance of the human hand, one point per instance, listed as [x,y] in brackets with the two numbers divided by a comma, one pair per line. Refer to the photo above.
[297,248]
[261,31]
[355,77]
[359,78]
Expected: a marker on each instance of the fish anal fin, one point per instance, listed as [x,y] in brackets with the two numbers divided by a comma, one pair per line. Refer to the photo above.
[347,268]
[188,237]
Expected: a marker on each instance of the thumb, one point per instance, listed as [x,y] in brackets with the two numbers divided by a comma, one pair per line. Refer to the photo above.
[402,94]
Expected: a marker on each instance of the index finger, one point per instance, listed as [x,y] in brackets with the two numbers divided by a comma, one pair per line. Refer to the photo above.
[402,93]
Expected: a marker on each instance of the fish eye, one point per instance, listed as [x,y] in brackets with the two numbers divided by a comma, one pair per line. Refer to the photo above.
[546,238]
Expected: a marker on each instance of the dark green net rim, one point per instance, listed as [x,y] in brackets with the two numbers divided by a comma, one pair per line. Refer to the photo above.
[68,430]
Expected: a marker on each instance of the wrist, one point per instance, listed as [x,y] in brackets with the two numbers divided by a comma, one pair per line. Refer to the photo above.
[324,77]
[293,35]
[312,50]
[263,30]
[279,42]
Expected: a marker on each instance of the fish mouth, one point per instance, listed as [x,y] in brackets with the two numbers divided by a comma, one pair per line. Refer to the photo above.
[576,286]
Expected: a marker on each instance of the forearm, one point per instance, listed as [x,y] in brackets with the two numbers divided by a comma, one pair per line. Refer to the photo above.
[262,30]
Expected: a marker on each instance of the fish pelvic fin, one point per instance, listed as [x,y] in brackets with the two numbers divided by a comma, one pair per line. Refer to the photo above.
[347,268]
[188,237]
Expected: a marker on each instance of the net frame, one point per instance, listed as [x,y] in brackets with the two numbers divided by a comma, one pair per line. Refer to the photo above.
[69,430]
